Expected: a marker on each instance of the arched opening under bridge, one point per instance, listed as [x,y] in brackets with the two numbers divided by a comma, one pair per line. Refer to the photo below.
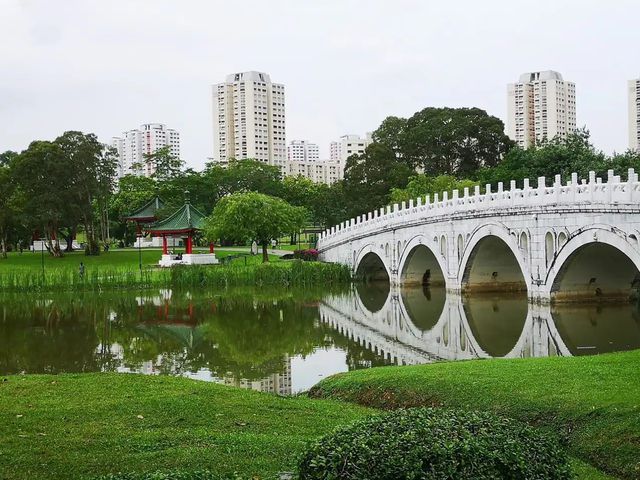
[422,268]
[596,272]
[371,268]
[492,267]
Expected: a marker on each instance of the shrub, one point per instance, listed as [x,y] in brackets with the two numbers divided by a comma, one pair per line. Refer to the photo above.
[436,443]
[309,254]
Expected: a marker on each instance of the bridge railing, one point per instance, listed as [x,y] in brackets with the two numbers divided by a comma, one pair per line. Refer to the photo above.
[591,191]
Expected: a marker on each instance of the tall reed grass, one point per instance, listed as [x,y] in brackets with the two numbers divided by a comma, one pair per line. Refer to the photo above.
[291,273]
[284,274]
[69,279]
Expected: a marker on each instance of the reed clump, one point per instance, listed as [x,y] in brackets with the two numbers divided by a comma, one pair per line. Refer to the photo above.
[290,273]
[284,274]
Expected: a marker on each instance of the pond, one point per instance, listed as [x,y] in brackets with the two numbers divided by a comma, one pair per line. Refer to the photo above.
[285,341]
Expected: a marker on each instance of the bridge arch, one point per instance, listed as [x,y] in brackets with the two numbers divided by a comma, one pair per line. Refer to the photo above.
[595,264]
[493,261]
[370,265]
[420,265]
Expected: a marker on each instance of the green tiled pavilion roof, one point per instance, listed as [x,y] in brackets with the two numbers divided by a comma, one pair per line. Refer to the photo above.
[146,212]
[186,218]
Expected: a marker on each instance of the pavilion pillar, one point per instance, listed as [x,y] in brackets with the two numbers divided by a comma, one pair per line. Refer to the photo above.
[211,248]
[164,245]
[189,244]
[139,229]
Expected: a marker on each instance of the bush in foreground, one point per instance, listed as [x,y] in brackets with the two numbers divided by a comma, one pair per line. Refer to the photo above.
[438,443]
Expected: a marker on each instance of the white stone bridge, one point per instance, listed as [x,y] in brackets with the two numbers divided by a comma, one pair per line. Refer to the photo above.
[573,241]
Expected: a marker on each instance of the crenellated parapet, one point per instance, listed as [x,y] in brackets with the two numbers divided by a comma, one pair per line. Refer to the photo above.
[589,192]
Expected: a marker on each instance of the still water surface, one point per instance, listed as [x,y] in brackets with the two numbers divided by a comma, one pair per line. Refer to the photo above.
[285,341]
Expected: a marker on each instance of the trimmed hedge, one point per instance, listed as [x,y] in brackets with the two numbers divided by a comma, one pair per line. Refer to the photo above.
[436,443]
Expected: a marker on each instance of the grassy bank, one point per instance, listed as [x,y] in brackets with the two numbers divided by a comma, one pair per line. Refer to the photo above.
[89,425]
[592,401]
[80,426]
[117,270]
[121,259]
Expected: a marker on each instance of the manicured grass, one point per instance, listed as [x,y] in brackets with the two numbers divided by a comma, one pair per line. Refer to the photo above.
[79,426]
[117,258]
[594,402]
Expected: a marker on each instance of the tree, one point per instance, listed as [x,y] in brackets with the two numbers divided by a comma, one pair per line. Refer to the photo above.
[164,165]
[245,176]
[559,156]
[422,185]
[133,192]
[9,207]
[105,184]
[42,174]
[446,141]
[369,178]
[245,217]
[92,168]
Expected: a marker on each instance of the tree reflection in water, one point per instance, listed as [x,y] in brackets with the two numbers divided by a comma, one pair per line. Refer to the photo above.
[247,337]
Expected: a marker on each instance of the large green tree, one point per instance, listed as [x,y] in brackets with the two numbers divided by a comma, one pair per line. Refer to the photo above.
[133,192]
[245,217]
[422,185]
[10,207]
[559,156]
[369,178]
[163,164]
[446,141]
[90,179]
[42,175]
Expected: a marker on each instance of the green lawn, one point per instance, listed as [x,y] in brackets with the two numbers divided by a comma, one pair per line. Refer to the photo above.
[117,258]
[79,426]
[594,402]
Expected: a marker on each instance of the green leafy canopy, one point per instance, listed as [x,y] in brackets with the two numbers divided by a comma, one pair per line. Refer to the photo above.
[253,216]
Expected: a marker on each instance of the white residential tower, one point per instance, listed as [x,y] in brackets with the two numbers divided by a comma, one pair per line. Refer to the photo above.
[540,106]
[634,114]
[148,139]
[249,119]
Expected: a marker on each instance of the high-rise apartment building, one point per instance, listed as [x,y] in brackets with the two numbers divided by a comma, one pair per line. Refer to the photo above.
[349,145]
[249,119]
[302,151]
[540,106]
[318,171]
[148,139]
[634,114]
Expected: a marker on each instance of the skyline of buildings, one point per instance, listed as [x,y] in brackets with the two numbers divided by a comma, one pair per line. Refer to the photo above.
[540,106]
[249,122]
[249,119]
[148,139]
[634,114]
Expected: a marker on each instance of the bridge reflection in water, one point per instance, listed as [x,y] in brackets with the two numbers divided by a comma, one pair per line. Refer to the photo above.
[412,325]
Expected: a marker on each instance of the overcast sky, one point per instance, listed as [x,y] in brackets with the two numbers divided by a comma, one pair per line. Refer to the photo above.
[111,65]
